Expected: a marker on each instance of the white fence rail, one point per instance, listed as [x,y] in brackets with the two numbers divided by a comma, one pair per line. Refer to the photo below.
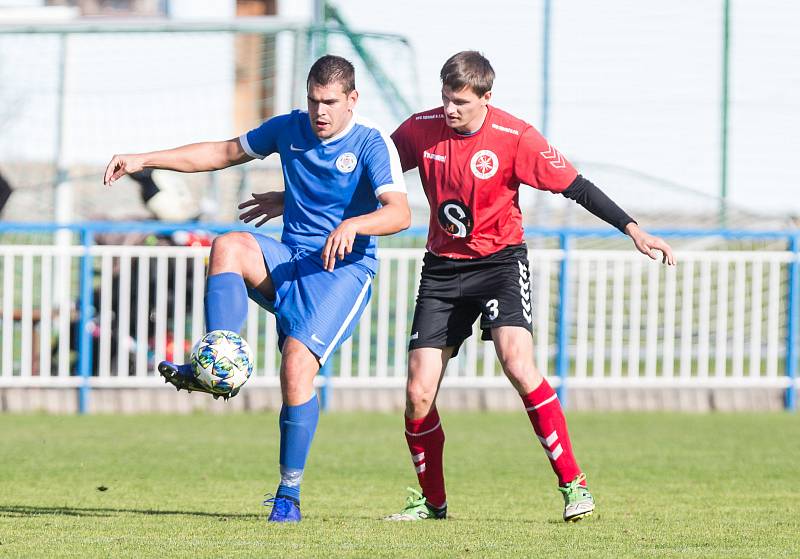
[718,318]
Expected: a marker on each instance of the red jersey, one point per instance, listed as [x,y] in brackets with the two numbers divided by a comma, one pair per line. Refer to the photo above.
[472,182]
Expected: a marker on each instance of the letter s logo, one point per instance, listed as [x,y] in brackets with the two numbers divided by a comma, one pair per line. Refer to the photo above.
[455,218]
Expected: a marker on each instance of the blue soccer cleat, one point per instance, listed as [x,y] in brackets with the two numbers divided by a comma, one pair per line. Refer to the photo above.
[284,509]
[182,377]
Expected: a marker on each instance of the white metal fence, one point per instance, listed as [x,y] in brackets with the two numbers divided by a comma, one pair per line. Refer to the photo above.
[719,318]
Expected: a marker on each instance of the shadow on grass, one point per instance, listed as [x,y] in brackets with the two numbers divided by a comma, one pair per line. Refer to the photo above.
[23,510]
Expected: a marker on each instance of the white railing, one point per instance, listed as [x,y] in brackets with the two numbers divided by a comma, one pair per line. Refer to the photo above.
[719,318]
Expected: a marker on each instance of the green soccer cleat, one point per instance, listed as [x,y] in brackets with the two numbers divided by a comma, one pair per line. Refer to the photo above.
[417,508]
[578,502]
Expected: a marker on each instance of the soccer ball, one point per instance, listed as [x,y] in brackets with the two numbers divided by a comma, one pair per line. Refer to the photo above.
[222,361]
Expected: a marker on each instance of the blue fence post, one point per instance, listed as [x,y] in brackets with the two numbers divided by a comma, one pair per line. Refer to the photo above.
[562,357]
[793,323]
[84,321]
[324,390]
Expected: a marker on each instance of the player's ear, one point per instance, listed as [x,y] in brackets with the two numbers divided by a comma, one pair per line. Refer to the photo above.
[487,97]
[352,98]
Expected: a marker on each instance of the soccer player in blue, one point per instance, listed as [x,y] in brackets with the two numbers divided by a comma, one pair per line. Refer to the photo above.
[343,186]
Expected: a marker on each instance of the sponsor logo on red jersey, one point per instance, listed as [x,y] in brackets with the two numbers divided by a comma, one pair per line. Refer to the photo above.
[434,156]
[455,218]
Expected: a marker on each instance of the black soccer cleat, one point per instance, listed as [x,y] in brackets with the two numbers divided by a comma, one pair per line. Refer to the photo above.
[181,377]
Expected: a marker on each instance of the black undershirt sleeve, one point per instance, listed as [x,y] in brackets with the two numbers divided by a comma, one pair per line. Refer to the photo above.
[147,186]
[585,193]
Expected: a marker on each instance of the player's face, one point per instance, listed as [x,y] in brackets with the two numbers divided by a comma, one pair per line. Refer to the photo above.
[329,108]
[464,110]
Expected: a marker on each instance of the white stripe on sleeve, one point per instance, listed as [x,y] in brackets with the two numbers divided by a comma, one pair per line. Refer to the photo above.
[398,183]
[390,188]
[247,149]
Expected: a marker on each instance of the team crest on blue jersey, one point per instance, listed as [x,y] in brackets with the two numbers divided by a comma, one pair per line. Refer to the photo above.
[346,162]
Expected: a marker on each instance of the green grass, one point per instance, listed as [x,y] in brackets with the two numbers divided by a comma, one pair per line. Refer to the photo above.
[190,486]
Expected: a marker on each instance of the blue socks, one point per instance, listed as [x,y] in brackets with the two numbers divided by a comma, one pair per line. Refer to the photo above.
[226,302]
[226,309]
[297,424]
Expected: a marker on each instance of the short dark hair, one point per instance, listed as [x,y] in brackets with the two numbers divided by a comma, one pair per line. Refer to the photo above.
[468,68]
[332,69]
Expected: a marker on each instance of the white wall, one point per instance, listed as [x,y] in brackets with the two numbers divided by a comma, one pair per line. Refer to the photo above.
[123,92]
[634,83]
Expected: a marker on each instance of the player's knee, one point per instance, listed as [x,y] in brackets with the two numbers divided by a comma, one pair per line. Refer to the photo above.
[515,367]
[233,244]
[522,373]
[419,395]
[230,250]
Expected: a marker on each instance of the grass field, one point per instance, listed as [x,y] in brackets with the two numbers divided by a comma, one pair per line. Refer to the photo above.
[191,486]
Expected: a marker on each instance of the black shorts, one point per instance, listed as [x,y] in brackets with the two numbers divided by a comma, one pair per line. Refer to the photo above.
[452,293]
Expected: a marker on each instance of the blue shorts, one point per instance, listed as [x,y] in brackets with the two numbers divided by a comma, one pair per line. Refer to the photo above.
[316,307]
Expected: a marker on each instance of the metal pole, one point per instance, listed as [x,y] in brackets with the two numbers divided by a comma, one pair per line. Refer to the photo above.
[541,204]
[723,179]
[85,321]
[545,67]
[793,324]
[62,191]
[318,39]
[562,356]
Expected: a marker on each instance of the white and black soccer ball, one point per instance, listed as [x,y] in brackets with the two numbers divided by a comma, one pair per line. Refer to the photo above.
[222,361]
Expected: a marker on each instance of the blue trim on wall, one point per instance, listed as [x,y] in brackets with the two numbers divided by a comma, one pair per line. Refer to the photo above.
[793,324]
[160,227]
[84,322]
[325,389]
[563,325]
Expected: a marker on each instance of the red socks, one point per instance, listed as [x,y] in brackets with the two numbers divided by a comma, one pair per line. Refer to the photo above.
[547,417]
[425,439]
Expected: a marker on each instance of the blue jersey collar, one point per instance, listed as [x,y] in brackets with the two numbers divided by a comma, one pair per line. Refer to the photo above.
[343,133]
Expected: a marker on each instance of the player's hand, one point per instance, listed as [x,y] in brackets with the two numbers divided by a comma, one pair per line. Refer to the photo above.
[121,165]
[265,205]
[648,244]
[339,244]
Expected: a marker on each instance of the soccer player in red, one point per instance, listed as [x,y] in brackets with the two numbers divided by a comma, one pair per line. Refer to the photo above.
[472,158]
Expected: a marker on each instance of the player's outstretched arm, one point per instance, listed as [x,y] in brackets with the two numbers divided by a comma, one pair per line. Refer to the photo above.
[265,205]
[648,244]
[585,193]
[393,216]
[192,158]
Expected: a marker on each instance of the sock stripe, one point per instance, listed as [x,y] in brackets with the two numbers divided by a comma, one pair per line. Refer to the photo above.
[556,452]
[421,468]
[551,438]
[537,406]
[424,432]
[417,458]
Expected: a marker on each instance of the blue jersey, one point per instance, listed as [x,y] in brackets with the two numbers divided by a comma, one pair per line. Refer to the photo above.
[328,181]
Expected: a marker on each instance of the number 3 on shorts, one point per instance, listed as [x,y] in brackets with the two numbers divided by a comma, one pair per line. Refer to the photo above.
[492,309]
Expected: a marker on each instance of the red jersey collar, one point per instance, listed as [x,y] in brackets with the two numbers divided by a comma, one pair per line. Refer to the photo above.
[478,132]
